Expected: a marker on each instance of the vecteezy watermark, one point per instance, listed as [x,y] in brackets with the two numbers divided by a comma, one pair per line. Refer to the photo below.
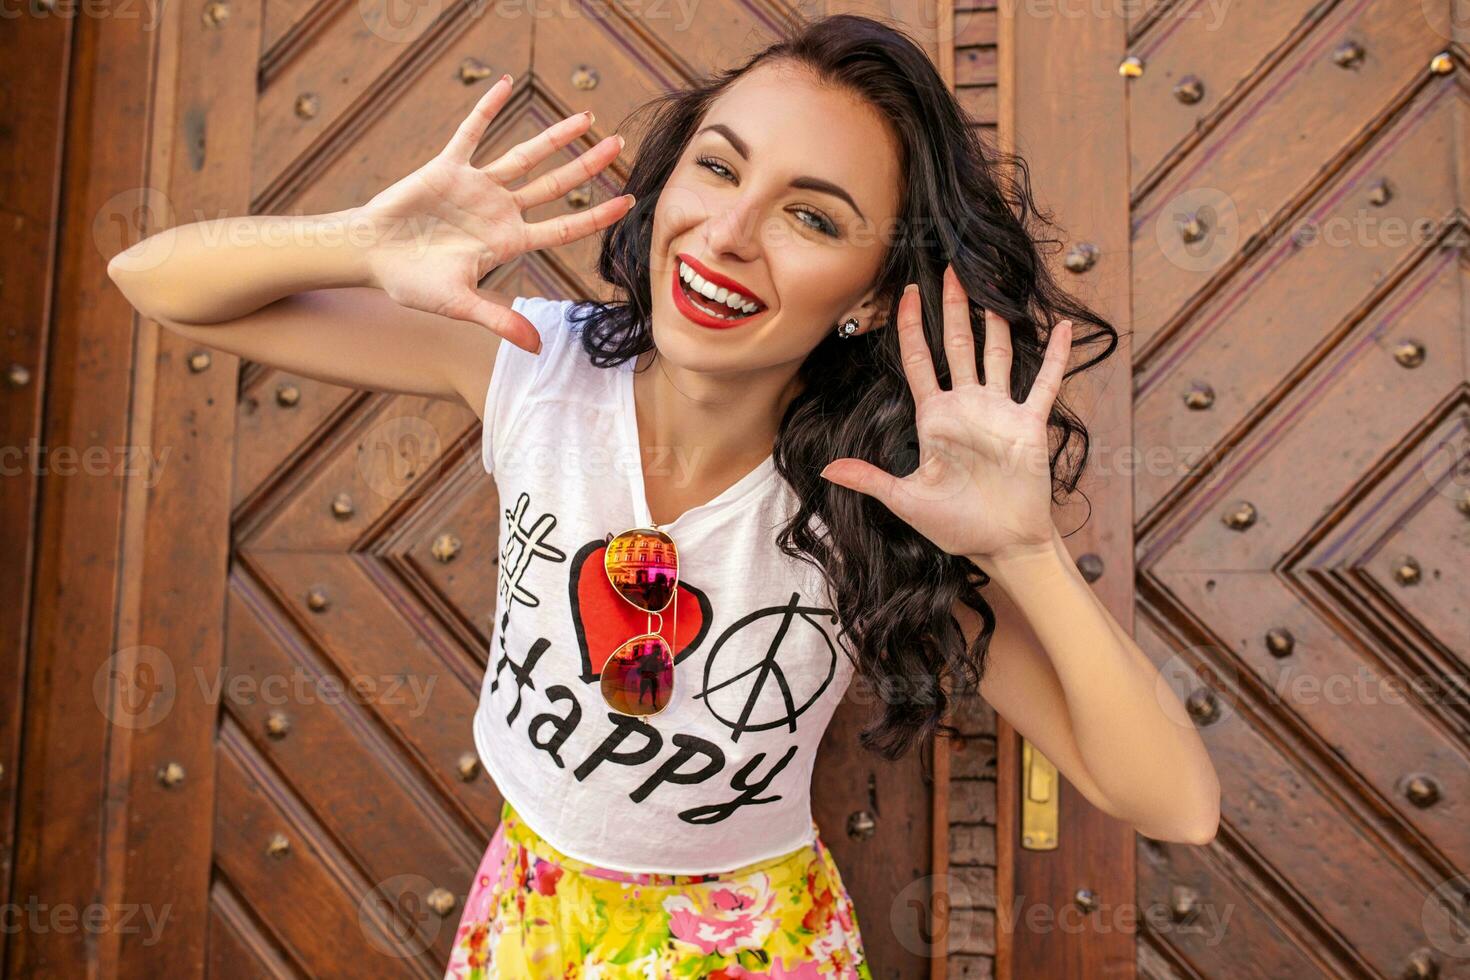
[1185,914]
[139,229]
[1199,230]
[1205,679]
[1365,687]
[140,10]
[38,460]
[1445,917]
[1444,463]
[1201,678]
[398,917]
[135,688]
[1450,19]
[600,463]
[400,21]
[394,455]
[301,687]
[922,914]
[919,688]
[125,918]
[138,686]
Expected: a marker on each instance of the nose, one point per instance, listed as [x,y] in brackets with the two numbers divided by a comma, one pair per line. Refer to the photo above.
[732,232]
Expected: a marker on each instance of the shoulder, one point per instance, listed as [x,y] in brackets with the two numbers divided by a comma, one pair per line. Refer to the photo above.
[543,311]
[559,331]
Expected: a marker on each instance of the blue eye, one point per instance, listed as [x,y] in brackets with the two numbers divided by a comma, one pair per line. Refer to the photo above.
[812,218]
[715,167]
[817,221]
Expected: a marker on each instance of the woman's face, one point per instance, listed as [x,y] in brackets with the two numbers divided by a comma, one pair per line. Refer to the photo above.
[782,202]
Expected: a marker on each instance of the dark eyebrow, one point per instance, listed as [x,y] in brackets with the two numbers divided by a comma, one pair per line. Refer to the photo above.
[802,183]
[729,134]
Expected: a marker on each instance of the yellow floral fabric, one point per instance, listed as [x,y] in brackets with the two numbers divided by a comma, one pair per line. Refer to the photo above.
[536,914]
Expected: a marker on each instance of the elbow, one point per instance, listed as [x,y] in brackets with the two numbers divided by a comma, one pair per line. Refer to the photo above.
[1198,832]
[1202,827]
[117,271]
[117,266]
[1201,832]
[1198,827]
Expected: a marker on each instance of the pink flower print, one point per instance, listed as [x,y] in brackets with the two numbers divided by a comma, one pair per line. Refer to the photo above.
[802,971]
[723,919]
[546,876]
[737,972]
[484,887]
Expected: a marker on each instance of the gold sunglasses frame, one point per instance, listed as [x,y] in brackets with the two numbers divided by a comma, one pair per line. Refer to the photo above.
[656,634]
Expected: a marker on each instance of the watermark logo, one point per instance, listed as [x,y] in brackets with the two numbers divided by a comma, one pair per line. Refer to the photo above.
[135,688]
[1445,463]
[1445,917]
[921,914]
[129,216]
[394,454]
[398,918]
[1450,19]
[1198,230]
[1203,679]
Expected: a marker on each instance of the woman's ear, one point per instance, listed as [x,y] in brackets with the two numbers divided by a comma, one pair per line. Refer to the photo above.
[872,312]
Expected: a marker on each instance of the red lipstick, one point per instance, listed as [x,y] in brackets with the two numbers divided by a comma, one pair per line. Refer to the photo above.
[693,309]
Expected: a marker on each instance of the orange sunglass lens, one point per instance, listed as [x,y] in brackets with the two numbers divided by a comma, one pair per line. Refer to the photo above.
[643,567]
[639,678]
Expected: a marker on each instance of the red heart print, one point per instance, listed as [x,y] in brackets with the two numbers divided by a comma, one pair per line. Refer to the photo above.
[605,620]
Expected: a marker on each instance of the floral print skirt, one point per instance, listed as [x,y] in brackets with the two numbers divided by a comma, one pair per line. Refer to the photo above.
[534,913]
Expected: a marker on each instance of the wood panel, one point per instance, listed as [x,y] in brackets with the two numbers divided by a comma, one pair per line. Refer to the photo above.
[1314,489]
[1063,102]
[32,137]
[1296,185]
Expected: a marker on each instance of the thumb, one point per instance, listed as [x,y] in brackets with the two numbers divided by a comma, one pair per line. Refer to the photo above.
[864,477]
[499,319]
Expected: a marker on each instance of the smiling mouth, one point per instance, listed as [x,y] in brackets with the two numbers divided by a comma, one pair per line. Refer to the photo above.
[719,300]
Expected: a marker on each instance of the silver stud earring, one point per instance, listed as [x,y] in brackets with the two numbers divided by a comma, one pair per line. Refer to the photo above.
[849,328]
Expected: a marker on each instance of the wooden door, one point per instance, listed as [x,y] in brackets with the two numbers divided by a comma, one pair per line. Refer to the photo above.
[288,608]
[1278,196]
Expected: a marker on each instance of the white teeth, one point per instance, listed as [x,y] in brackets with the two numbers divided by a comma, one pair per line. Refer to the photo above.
[720,294]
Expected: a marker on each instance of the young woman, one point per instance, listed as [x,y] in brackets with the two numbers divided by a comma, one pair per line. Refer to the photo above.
[815,421]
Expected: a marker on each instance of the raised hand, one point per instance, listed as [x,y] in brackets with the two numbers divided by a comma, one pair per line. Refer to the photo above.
[438,231]
[982,488]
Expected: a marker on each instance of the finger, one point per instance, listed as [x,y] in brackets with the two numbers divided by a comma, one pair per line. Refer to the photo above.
[461,146]
[997,353]
[959,336]
[522,158]
[569,175]
[864,477]
[473,307]
[918,363]
[1049,378]
[570,227]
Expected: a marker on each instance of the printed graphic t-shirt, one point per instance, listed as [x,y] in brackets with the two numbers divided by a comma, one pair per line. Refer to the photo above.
[719,778]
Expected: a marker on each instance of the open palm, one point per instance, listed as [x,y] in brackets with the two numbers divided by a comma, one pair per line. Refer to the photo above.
[439,230]
[982,488]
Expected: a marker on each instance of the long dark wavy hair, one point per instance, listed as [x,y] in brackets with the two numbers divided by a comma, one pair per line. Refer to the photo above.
[964,204]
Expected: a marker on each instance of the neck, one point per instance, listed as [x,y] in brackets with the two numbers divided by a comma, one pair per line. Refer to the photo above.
[696,427]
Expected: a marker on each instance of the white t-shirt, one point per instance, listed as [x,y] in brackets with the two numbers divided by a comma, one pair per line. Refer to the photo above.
[719,778]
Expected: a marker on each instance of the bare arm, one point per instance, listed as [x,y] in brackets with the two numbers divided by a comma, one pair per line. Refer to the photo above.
[296,293]
[1067,676]
[383,296]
